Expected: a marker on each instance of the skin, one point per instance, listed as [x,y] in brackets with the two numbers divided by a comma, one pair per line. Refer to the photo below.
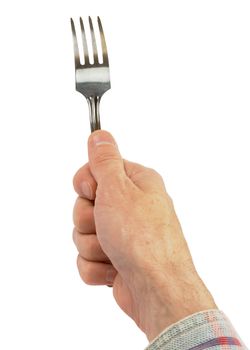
[128,236]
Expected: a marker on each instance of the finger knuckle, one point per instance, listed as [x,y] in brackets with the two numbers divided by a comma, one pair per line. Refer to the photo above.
[105,156]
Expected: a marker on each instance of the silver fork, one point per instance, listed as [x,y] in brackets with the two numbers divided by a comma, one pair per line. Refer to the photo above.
[92,79]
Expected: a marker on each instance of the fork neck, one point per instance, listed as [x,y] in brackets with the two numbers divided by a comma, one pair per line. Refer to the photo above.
[94,114]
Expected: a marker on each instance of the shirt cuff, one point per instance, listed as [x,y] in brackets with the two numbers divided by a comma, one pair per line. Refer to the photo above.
[200,331]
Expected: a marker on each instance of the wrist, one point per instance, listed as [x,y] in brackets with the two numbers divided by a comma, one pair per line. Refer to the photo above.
[174,299]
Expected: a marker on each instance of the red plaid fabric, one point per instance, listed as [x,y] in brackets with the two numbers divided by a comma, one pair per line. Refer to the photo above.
[209,329]
[216,342]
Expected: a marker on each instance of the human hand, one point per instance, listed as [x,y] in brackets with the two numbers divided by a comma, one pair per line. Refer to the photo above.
[128,235]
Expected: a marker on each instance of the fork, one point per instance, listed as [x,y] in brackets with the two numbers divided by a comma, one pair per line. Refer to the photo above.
[92,79]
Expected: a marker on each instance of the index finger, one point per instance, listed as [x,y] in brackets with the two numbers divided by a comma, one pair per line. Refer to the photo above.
[84,183]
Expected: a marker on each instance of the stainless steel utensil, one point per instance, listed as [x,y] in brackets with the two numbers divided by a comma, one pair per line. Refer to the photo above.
[92,79]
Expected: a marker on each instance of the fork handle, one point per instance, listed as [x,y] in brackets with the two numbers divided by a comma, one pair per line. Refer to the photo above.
[94,112]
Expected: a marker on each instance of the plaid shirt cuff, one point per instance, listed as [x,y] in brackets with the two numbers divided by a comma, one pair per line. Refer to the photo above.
[209,329]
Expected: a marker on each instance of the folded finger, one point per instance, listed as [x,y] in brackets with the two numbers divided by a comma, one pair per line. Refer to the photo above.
[83,215]
[84,183]
[96,273]
[89,247]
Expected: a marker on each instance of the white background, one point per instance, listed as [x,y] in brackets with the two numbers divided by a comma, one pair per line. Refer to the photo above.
[179,103]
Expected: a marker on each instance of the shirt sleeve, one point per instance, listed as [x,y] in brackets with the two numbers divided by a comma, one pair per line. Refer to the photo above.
[209,329]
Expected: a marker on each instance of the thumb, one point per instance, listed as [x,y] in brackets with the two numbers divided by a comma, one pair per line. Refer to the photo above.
[104,157]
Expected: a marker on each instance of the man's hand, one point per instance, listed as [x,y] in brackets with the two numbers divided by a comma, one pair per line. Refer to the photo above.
[127,235]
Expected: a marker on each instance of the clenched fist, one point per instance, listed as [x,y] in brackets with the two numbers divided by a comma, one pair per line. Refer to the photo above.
[128,236]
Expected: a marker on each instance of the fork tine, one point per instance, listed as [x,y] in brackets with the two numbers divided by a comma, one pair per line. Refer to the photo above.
[93,41]
[84,43]
[76,49]
[103,42]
